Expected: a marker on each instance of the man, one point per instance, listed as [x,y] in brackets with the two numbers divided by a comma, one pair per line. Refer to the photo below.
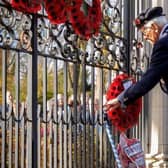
[153,25]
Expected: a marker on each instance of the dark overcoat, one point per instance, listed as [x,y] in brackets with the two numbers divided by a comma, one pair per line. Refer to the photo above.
[157,71]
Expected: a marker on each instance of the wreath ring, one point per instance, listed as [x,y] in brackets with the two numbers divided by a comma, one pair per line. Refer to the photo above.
[126,118]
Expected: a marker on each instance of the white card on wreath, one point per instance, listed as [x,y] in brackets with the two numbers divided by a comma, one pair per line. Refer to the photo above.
[89,2]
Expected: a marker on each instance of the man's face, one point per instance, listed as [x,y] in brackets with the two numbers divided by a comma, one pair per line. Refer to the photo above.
[151,33]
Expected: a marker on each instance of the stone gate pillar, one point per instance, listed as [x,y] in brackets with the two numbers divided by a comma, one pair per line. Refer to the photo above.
[158,129]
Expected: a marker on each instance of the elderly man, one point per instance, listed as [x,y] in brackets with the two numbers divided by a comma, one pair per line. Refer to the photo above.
[153,25]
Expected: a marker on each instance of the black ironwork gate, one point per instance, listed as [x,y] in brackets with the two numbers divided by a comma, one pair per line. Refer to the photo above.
[52,88]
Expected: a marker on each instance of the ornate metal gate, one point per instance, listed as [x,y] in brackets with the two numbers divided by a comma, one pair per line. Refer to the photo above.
[53,84]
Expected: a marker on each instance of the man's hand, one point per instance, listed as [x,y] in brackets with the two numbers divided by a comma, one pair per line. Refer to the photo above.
[111,104]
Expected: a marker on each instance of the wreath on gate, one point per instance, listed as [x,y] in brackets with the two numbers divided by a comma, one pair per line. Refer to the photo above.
[85,18]
[123,118]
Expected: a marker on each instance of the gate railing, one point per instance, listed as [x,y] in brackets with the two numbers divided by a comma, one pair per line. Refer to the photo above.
[53,86]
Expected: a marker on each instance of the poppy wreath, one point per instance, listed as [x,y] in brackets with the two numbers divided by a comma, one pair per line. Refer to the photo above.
[57,10]
[126,118]
[85,19]
[26,5]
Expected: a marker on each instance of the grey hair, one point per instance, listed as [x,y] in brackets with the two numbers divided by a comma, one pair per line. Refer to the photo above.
[160,21]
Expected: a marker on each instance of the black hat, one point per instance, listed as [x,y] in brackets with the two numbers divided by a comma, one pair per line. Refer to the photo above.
[148,15]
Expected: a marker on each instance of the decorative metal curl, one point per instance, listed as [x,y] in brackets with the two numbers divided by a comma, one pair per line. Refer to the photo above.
[25,39]
[61,41]
[6,38]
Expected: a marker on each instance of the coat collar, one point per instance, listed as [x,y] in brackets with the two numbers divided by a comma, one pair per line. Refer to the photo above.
[164,31]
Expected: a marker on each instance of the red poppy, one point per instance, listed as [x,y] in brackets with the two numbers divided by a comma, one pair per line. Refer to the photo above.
[57,11]
[137,22]
[123,119]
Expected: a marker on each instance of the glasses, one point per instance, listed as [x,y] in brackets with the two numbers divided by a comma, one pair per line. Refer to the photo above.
[146,31]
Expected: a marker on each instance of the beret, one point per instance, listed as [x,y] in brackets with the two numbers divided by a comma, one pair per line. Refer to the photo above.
[147,15]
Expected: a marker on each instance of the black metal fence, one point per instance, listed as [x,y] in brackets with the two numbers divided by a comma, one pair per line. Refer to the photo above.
[52,88]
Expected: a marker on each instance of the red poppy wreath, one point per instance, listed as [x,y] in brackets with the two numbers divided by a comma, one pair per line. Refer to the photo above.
[126,118]
[26,6]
